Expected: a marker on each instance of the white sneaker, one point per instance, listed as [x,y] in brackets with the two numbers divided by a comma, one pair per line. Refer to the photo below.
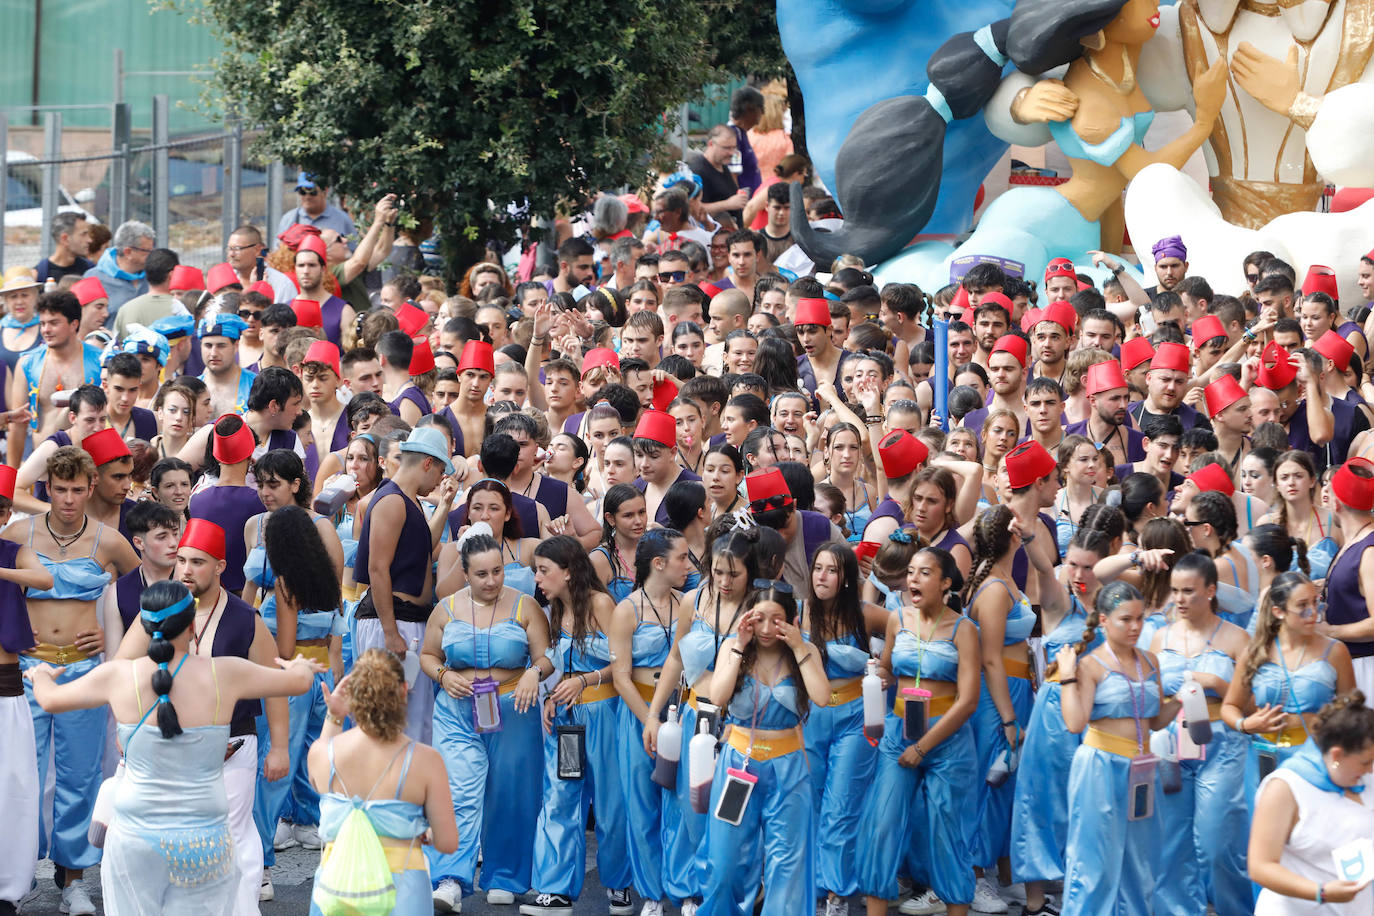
[308,835]
[651,908]
[923,904]
[448,897]
[689,907]
[285,837]
[75,900]
[498,897]
[835,906]
[1013,893]
[265,890]
[985,899]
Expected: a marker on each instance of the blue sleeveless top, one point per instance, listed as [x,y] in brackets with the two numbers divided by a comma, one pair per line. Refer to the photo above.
[390,817]
[777,705]
[590,654]
[1319,557]
[700,646]
[650,642]
[1069,631]
[620,585]
[1174,664]
[518,576]
[934,660]
[1129,132]
[892,597]
[844,657]
[502,645]
[1113,697]
[79,579]
[1020,618]
[1302,690]
[193,762]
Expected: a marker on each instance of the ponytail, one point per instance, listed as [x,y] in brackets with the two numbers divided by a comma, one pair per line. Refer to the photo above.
[167,609]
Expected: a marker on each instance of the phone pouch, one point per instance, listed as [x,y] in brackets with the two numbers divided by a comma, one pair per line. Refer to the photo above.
[572,751]
[486,705]
[1268,755]
[917,716]
[734,795]
[1140,787]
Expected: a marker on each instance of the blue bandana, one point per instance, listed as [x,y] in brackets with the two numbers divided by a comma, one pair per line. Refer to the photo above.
[1311,766]
[9,322]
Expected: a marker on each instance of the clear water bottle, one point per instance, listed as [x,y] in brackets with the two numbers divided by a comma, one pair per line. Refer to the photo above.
[336,495]
[875,712]
[102,815]
[669,751]
[701,767]
[411,663]
[1170,772]
[1195,715]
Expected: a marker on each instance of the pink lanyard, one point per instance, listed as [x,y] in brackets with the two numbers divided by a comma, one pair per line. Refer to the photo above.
[1137,707]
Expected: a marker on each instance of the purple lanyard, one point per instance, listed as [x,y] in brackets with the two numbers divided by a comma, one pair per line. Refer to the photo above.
[1137,708]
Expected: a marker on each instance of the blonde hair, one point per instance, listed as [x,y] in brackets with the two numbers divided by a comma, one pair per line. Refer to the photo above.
[774,107]
[1077,364]
[377,695]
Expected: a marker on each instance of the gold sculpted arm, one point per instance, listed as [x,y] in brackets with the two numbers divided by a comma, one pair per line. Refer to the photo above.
[1274,83]
[1209,90]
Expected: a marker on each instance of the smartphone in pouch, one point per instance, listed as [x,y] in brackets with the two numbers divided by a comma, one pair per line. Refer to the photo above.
[1140,787]
[734,795]
[708,713]
[1268,756]
[572,751]
[917,715]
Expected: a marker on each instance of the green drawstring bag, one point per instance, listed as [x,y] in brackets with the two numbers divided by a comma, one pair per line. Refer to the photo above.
[357,879]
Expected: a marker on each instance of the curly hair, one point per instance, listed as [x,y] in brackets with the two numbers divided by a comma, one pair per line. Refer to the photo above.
[1345,722]
[566,553]
[69,462]
[377,698]
[297,555]
[285,465]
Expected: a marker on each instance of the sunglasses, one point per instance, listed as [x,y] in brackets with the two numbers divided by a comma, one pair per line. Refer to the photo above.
[1252,279]
[308,192]
[672,276]
[776,585]
[250,314]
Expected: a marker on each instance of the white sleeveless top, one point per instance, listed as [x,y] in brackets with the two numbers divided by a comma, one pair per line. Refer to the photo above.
[1326,821]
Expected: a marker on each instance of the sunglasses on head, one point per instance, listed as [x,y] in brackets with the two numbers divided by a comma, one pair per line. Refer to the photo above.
[672,276]
[776,585]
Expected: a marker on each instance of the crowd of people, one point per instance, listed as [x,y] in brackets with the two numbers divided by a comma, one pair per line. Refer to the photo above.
[684,524]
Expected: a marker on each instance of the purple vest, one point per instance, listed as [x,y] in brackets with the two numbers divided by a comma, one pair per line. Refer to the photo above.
[234,637]
[128,594]
[1344,603]
[230,508]
[413,546]
[415,396]
[332,311]
[16,633]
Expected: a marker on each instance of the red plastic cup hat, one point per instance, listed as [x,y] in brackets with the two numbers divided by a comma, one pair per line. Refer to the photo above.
[902,453]
[1221,394]
[1062,314]
[600,358]
[1351,489]
[1335,348]
[1206,328]
[1213,477]
[767,489]
[315,245]
[1028,463]
[1060,267]
[1275,371]
[477,355]
[1135,351]
[421,356]
[709,288]
[263,288]
[105,445]
[88,290]
[1102,377]
[185,277]
[322,351]
[308,314]
[1031,319]
[1321,279]
[1175,356]
[664,393]
[1010,343]
[996,298]
[291,238]
[205,536]
[411,318]
[812,311]
[658,427]
[220,276]
[7,478]
[236,447]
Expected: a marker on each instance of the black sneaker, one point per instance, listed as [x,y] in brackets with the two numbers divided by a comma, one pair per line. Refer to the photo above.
[548,905]
[621,904]
[1046,909]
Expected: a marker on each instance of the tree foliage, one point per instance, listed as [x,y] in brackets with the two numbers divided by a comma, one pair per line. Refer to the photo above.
[745,42]
[462,106]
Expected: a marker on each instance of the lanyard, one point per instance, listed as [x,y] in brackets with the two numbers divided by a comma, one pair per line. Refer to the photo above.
[922,641]
[472,603]
[658,617]
[1137,707]
[1288,679]
[754,719]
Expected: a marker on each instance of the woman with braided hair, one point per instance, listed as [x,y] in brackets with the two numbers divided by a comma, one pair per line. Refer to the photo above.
[161,857]
[1163,541]
[1212,526]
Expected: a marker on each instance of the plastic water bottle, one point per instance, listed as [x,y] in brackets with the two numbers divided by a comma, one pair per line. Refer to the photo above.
[1170,772]
[336,495]
[1195,710]
[669,751]
[1003,765]
[102,815]
[701,767]
[411,663]
[874,707]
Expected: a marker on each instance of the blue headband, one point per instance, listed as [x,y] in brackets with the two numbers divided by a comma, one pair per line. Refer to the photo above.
[169,611]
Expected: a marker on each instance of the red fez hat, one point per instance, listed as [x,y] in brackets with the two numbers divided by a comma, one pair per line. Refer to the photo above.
[1206,328]
[1351,489]
[1321,279]
[185,277]
[1016,346]
[1083,285]
[411,318]
[1104,376]
[709,288]
[308,314]
[812,311]
[600,358]
[477,355]
[1060,267]
[263,288]
[1027,463]
[1062,314]
[236,447]
[1335,348]
[1221,394]
[89,289]
[1175,356]
[220,276]
[1032,317]
[664,392]
[996,298]
[7,477]
[1214,477]
[767,489]
[315,245]
[1135,351]
[656,425]
[1279,375]
[204,535]
[902,453]
[322,351]
[421,356]
[105,445]
[295,232]
[960,301]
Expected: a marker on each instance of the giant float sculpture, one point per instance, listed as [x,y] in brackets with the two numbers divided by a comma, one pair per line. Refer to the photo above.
[910,102]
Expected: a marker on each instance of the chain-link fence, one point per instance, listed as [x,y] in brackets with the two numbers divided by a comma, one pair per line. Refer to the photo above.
[192,189]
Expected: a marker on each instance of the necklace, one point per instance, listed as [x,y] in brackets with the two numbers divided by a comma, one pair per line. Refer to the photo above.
[1127,84]
[64,541]
[198,635]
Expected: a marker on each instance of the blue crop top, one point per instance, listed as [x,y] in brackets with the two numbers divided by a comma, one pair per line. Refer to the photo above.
[650,642]
[1129,132]
[844,657]
[1069,631]
[936,660]
[620,585]
[776,705]
[590,654]
[1113,697]
[502,645]
[1173,664]
[80,579]
[1313,684]
[1020,617]
[390,817]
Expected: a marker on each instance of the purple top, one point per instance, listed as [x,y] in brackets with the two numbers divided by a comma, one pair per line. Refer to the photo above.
[128,594]
[413,545]
[1020,563]
[553,494]
[234,637]
[40,487]
[1135,439]
[888,508]
[16,633]
[230,508]
[415,396]
[661,516]
[1344,602]
[332,310]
